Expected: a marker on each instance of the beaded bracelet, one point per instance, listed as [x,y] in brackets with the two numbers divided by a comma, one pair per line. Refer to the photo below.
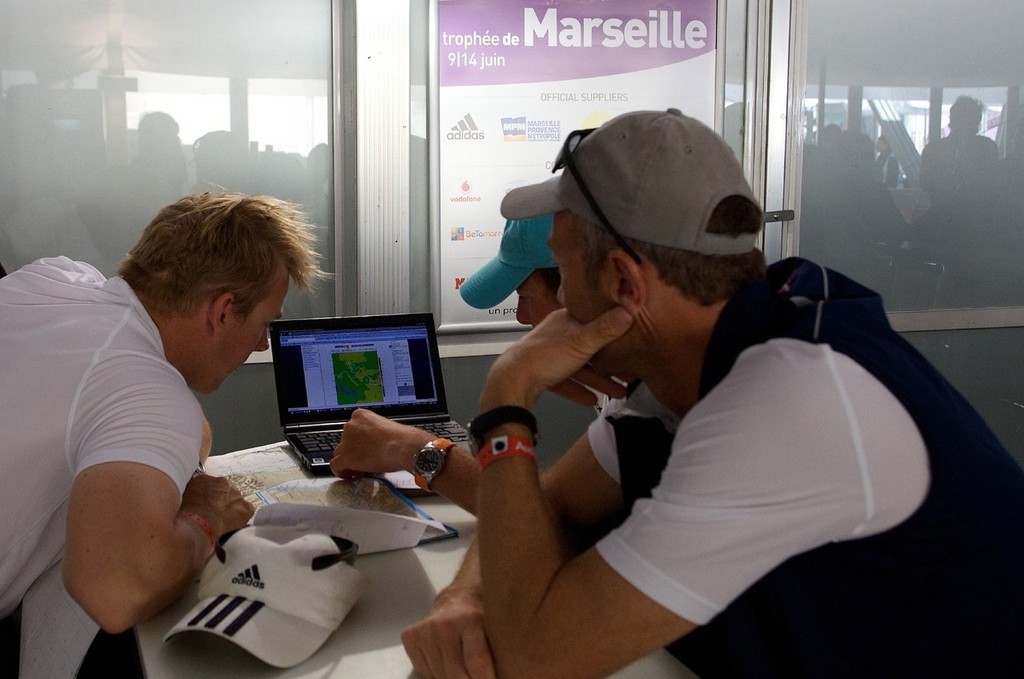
[204,526]
[501,447]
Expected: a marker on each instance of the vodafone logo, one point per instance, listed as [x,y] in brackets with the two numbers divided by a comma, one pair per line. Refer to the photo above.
[465,194]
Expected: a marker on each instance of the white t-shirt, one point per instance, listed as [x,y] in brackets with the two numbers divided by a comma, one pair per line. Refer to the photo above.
[797,447]
[83,381]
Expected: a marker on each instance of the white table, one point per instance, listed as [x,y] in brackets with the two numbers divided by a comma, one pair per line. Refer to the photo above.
[368,642]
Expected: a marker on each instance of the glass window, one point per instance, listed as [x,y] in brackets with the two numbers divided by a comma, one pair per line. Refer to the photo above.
[734,37]
[109,111]
[911,181]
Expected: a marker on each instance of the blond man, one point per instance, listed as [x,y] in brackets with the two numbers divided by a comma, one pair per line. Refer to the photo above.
[103,434]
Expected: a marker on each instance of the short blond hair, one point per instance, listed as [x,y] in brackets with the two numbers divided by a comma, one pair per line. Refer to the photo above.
[209,243]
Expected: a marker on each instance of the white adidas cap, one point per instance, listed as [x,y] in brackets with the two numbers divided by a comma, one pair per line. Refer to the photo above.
[276,591]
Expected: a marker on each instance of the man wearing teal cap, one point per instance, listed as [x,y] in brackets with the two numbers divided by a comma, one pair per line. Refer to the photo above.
[523,265]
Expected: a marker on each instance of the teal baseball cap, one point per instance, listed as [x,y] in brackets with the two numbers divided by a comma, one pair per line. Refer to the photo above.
[524,248]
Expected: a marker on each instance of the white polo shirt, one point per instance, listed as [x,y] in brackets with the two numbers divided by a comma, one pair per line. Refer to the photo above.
[83,381]
[797,447]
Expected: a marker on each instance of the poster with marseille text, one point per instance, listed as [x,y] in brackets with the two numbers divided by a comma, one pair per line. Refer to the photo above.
[515,77]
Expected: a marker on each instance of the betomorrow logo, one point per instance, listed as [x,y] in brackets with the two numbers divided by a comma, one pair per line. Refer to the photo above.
[464,233]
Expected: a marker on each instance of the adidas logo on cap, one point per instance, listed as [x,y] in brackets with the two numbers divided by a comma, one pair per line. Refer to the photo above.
[250,577]
[277,592]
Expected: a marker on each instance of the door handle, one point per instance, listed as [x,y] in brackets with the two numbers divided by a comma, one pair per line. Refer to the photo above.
[779,216]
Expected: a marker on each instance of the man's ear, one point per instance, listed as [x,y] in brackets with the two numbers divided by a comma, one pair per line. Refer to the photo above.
[218,310]
[626,280]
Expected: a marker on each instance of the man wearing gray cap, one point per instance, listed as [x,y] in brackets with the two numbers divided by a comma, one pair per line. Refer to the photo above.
[829,506]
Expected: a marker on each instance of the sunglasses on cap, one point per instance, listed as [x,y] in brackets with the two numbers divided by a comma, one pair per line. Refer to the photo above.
[565,160]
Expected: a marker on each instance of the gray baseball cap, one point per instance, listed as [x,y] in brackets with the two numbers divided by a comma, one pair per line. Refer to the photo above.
[656,175]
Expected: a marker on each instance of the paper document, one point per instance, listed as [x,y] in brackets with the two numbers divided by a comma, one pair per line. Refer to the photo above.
[372,531]
[369,511]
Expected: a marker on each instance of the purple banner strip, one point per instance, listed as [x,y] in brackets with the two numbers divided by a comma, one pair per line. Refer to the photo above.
[495,42]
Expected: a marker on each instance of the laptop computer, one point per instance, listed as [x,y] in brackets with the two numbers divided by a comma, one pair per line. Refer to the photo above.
[326,368]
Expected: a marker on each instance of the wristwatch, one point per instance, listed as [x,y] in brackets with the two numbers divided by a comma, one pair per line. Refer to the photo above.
[428,462]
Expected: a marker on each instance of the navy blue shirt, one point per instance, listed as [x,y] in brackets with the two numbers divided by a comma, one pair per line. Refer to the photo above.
[941,594]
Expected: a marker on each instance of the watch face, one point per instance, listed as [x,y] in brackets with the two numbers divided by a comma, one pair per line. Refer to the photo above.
[428,461]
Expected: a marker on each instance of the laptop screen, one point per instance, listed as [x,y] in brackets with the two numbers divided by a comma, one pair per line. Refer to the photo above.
[325,368]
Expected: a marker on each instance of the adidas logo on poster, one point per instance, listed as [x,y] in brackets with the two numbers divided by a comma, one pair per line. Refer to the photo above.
[250,576]
[465,129]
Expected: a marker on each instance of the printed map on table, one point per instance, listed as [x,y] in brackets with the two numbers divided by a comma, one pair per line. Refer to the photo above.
[283,492]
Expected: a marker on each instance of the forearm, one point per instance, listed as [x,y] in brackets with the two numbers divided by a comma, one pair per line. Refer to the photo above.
[454,629]
[373,445]
[538,600]
[184,556]
[468,576]
[542,598]
[451,640]
[136,579]
[521,551]
[460,479]
[132,548]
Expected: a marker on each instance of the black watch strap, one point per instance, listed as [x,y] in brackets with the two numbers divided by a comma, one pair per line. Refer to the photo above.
[485,422]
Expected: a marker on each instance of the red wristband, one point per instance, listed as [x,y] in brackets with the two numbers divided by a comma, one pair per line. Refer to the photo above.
[204,526]
[501,447]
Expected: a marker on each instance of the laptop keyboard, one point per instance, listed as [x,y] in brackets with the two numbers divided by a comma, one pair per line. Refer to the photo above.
[319,442]
[453,431]
[324,442]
